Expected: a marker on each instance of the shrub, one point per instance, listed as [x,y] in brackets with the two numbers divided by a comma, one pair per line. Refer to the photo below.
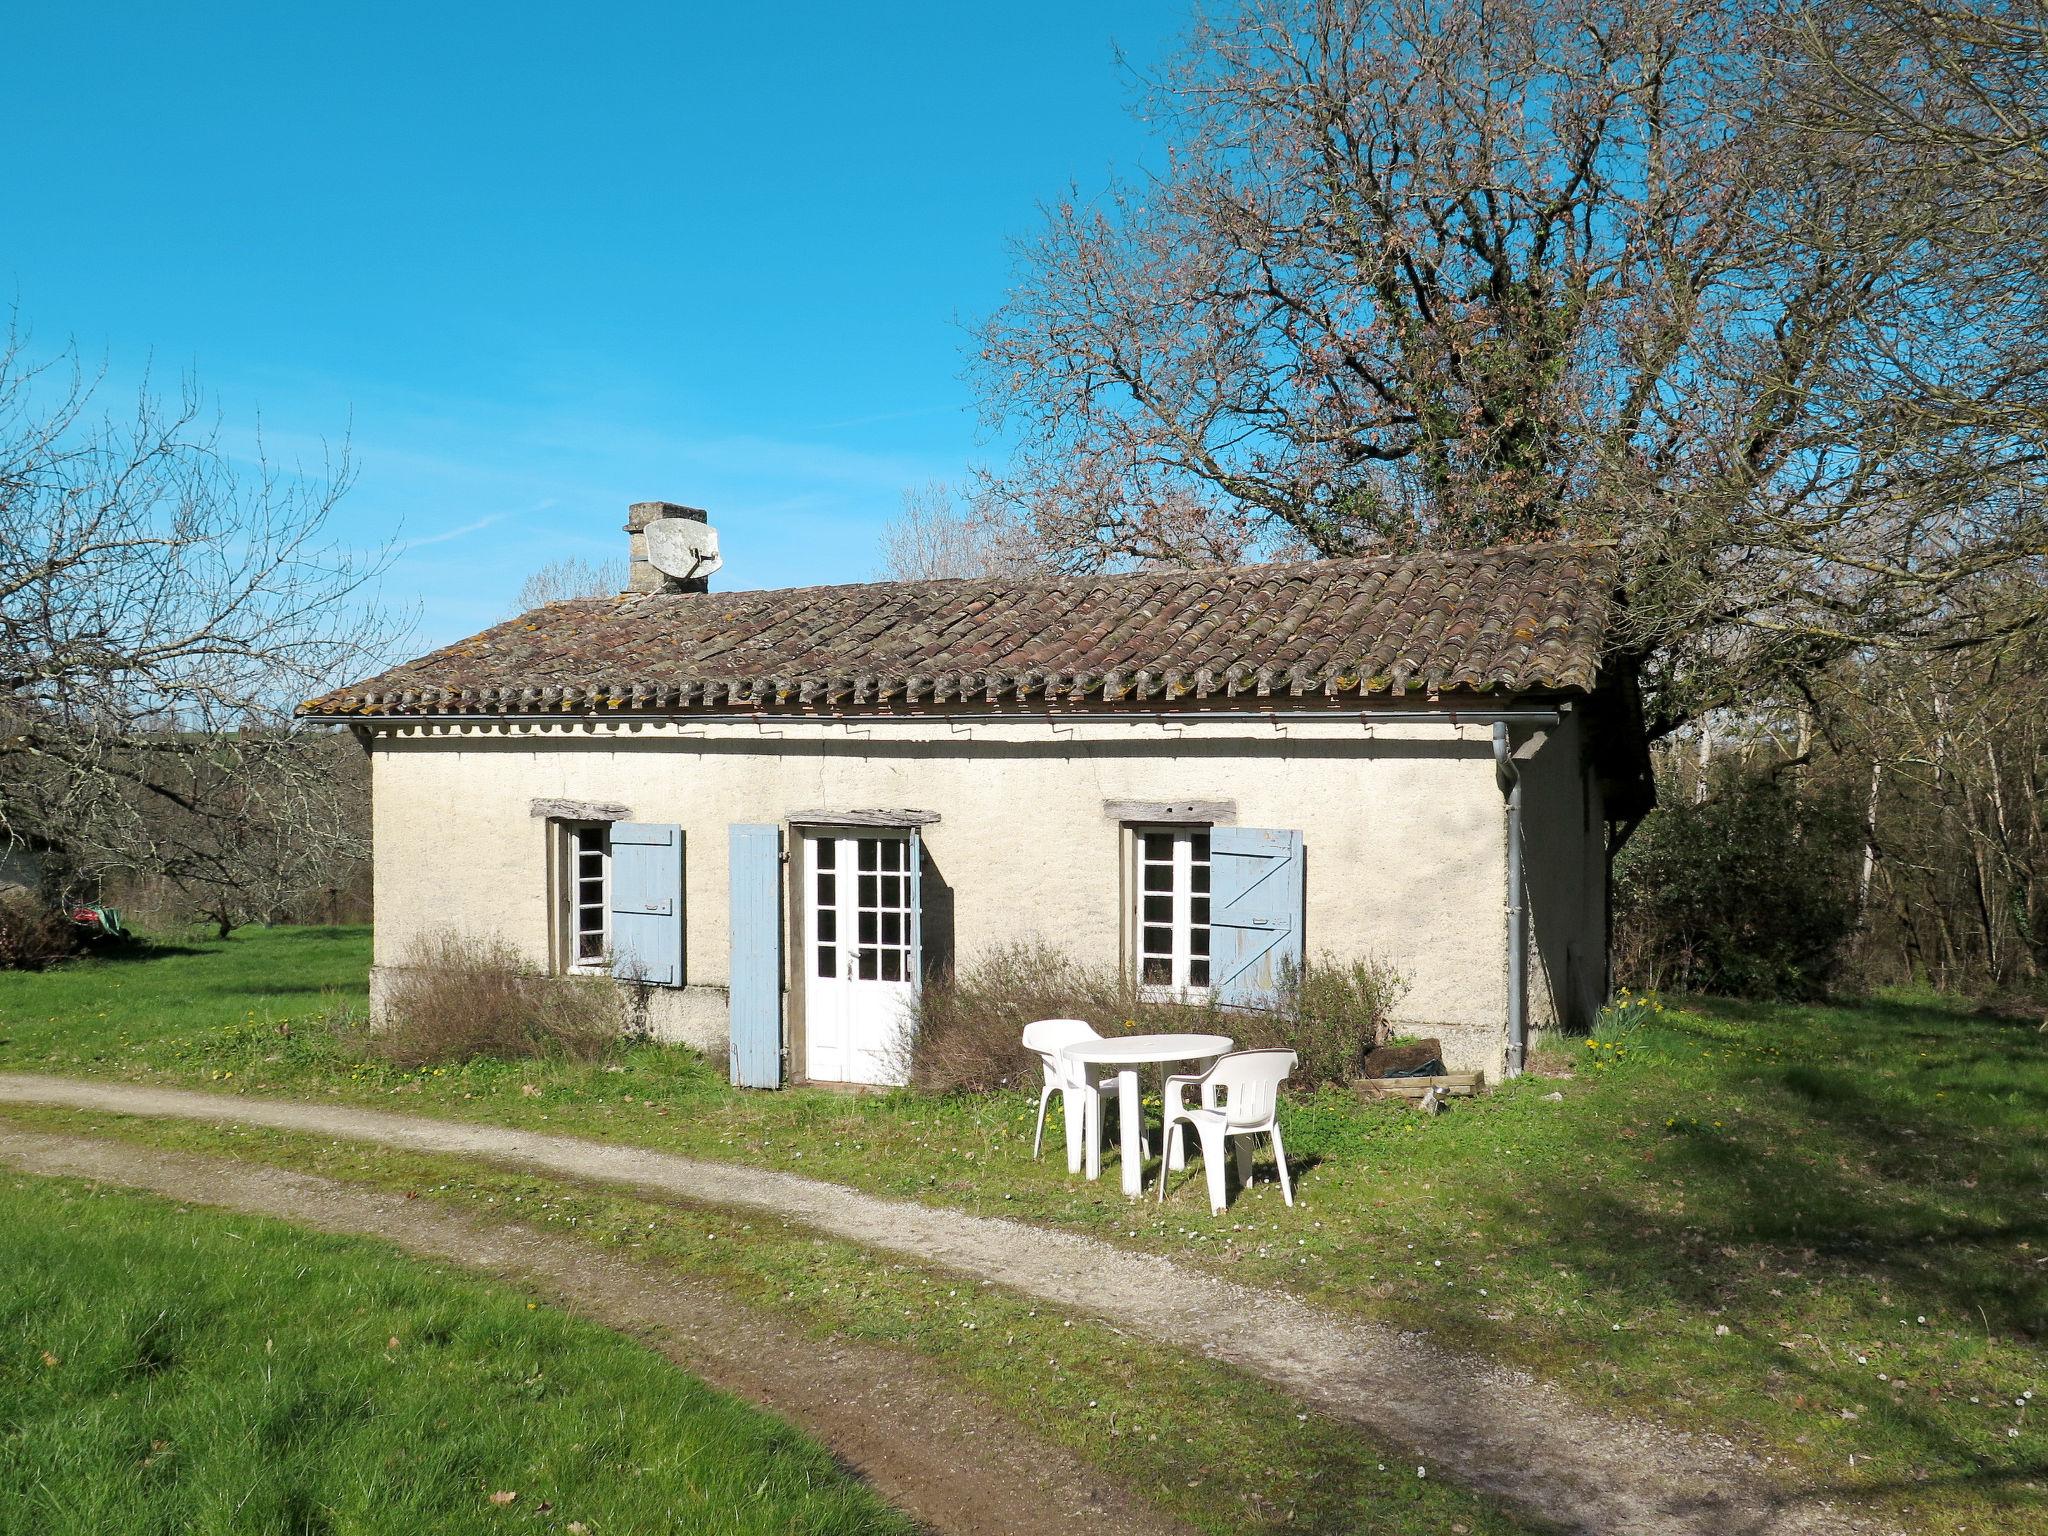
[32,936]
[1749,892]
[1332,1014]
[968,1025]
[458,998]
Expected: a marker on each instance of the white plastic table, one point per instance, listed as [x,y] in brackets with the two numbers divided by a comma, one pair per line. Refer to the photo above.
[1127,1053]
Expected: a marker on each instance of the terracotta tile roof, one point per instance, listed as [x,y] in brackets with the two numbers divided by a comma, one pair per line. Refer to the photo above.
[1507,620]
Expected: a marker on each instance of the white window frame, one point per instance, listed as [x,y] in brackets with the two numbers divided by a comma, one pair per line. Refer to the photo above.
[572,910]
[1188,913]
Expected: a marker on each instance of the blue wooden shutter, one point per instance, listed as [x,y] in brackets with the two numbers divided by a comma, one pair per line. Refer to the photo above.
[647,903]
[755,999]
[1254,913]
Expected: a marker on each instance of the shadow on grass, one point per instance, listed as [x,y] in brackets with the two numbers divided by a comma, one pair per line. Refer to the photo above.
[1192,1177]
[1932,1188]
[140,949]
[273,989]
[1890,1154]
[278,941]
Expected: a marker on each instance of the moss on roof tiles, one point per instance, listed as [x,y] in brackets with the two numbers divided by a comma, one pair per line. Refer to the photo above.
[1513,619]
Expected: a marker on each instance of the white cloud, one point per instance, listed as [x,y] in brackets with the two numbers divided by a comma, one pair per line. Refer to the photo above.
[477,525]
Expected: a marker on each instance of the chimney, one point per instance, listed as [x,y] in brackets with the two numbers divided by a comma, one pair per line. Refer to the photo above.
[643,574]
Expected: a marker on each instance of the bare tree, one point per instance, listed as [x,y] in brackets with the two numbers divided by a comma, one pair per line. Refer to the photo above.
[570,577]
[1955,878]
[1923,782]
[158,604]
[1444,272]
[1958,90]
[937,536]
[254,827]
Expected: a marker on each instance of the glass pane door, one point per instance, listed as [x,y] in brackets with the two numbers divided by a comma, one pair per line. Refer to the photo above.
[860,969]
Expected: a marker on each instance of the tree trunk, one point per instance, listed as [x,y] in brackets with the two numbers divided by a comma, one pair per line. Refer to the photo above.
[1869,855]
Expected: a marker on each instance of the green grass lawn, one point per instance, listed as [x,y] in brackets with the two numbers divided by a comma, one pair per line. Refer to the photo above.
[1819,1229]
[172,1370]
[1207,1444]
[174,1005]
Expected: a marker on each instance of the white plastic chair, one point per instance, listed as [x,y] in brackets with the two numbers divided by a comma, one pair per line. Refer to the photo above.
[1248,1086]
[1081,1090]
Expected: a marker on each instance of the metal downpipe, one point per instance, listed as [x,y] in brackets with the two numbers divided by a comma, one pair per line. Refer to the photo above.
[1510,779]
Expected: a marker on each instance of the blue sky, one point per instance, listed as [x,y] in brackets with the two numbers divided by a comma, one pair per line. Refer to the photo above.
[536,263]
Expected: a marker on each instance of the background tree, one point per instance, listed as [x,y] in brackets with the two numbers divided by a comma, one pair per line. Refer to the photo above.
[1941,106]
[1958,91]
[1443,273]
[1948,759]
[1747,889]
[570,577]
[938,535]
[258,827]
[1900,839]
[161,612]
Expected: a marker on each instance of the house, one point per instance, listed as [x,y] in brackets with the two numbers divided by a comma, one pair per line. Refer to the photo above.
[780,810]
[32,868]
[21,869]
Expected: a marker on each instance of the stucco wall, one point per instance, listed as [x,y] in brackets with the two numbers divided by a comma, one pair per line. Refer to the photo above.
[1403,830]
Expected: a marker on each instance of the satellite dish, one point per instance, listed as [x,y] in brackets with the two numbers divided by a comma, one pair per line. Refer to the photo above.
[683,548]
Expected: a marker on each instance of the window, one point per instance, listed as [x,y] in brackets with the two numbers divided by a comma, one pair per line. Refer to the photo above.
[586,888]
[1172,919]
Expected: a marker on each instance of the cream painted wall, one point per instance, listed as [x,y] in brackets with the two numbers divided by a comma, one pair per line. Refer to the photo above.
[1403,829]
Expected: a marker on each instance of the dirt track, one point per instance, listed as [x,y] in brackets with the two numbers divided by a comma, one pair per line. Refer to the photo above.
[1491,1428]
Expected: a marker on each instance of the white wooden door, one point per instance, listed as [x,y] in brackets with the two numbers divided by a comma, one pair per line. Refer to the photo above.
[860,946]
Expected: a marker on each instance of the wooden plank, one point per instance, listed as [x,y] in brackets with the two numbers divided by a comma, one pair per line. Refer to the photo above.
[1439,1079]
[579,810]
[754,1000]
[1255,913]
[1456,1085]
[863,818]
[647,902]
[1172,812]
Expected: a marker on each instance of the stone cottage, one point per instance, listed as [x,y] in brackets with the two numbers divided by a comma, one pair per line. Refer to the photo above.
[780,810]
